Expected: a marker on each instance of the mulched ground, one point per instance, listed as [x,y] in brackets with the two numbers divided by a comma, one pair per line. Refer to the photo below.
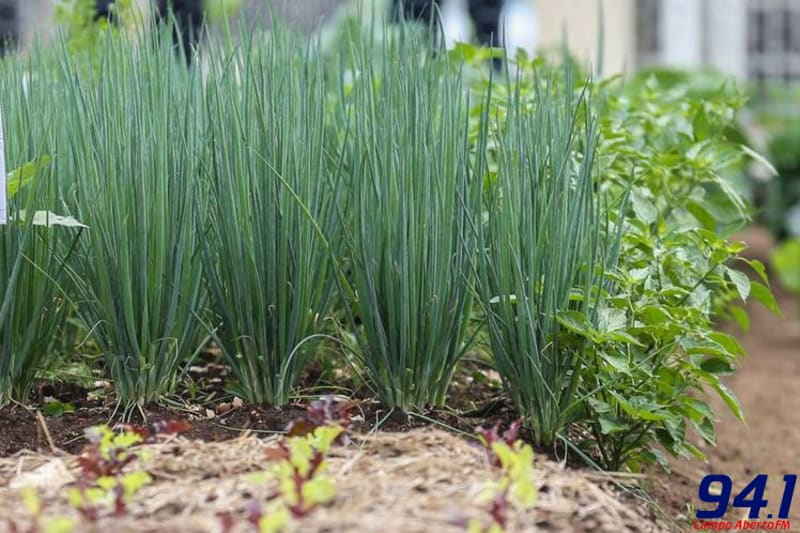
[403,473]
[424,480]
[411,476]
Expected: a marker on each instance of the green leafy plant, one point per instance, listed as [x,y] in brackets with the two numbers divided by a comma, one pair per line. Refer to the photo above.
[300,474]
[106,481]
[669,152]
[777,116]
[786,260]
[84,32]
[655,351]
[57,408]
[515,488]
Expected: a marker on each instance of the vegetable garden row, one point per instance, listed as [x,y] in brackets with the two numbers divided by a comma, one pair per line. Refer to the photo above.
[386,204]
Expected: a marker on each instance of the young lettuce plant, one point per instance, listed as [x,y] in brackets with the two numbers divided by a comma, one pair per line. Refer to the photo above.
[540,243]
[135,152]
[515,489]
[273,232]
[413,195]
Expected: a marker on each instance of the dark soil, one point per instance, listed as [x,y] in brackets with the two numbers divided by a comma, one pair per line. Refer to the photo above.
[215,416]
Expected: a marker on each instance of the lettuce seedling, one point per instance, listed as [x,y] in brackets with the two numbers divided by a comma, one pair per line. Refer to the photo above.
[109,491]
[514,488]
[489,437]
[303,484]
[107,453]
[102,483]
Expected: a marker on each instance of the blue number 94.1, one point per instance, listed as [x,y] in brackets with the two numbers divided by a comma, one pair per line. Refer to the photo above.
[717,488]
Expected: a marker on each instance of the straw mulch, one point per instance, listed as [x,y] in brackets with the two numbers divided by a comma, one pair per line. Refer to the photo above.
[416,482]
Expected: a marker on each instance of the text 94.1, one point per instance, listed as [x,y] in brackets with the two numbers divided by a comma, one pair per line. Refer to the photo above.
[717,489]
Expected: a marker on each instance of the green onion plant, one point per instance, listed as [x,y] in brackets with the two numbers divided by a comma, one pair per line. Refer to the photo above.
[413,194]
[33,306]
[135,153]
[273,236]
[540,242]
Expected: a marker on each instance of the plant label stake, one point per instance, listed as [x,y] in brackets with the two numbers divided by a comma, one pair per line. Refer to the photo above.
[3,207]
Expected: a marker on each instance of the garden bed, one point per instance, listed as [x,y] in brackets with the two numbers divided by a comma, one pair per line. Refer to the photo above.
[396,227]
[418,481]
[416,473]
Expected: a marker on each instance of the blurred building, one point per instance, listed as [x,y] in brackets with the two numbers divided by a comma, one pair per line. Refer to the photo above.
[753,39]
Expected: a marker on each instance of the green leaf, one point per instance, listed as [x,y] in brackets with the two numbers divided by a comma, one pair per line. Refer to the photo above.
[741,317]
[759,158]
[599,406]
[697,409]
[57,409]
[759,269]
[717,366]
[620,362]
[619,336]
[641,407]
[733,196]
[741,281]
[729,398]
[654,315]
[764,296]
[610,319]
[65,524]
[705,347]
[23,176]
[644,207]
[705,428]
[729,342]
[576,322]
[702,127]
[703,215]
[610,425]
[693,450]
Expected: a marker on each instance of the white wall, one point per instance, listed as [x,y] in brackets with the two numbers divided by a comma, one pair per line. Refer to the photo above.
[579,18]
